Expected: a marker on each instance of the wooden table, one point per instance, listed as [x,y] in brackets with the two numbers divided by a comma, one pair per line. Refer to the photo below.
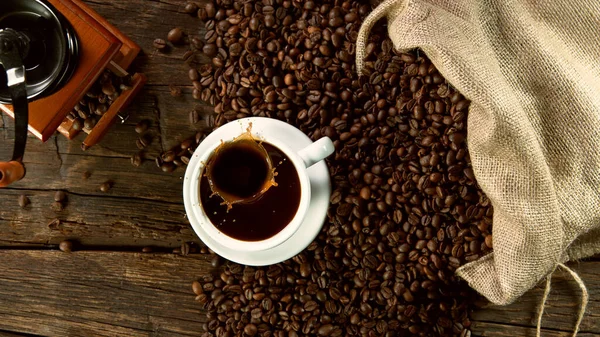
[108,287]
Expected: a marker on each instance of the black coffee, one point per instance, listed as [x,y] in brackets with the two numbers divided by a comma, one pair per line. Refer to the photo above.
[239,171]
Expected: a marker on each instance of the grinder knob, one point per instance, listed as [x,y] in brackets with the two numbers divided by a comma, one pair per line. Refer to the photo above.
[10,172]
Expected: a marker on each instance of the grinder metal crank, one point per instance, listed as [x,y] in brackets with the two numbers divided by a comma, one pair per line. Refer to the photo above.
[14,47]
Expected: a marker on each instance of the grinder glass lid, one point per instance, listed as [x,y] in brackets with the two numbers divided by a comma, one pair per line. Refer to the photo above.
[53,47]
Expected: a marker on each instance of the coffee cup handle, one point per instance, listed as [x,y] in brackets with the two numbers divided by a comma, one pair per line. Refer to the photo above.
[317,151]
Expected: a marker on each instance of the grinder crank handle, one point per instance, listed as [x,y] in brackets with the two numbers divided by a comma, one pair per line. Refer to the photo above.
[12,48]
[14,170]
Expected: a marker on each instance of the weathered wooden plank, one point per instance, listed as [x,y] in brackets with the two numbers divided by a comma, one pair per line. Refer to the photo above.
[92,221]
[490,329]
[49,167]
[100,293]
[561,309]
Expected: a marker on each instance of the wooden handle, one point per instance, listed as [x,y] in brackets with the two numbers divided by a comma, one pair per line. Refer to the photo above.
[10,172]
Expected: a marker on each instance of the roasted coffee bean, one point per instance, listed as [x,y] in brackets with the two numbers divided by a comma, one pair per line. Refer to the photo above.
[66,246]
[89,123]
[142,126]
[250,329]
[188,57]
[140,144]
[136,159]
[167,167]
[106,186]
[194,117]
[60,196]
[168,156]
[489,241]
[23,201]
[175,35]
[210,49]
[193,74]
[185,250]
[77,124]
[197,288]
[108,89]
[196,43]
[215,261]
[190,8]
[160,44]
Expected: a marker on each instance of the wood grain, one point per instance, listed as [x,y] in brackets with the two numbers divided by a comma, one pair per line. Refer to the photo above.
[490,329]
[561,309]
[49,169]
[100,293]
[118,222]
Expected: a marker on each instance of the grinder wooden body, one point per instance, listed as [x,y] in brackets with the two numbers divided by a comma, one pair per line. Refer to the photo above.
[101,47]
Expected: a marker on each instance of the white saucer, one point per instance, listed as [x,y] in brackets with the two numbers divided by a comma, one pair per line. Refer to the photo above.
[320,190]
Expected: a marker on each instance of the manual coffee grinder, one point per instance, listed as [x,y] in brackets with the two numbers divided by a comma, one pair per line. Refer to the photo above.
[51,53]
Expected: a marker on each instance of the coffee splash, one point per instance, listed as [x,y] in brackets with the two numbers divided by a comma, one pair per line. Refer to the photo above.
[241,170]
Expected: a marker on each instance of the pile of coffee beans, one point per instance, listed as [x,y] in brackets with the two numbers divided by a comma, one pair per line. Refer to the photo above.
[405,211]
[180,154]
[98,100]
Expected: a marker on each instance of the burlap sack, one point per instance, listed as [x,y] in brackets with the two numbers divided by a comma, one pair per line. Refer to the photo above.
[532,71]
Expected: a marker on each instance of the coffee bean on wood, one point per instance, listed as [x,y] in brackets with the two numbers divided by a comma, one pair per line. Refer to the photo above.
[185,249]
[190,8]
[66,246]
[23,201]
[142,126]
[60,196]
[137,159]
[159,44]
[106,186]
[175,35]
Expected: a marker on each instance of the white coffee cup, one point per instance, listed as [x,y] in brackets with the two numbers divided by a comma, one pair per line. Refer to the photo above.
[301,160]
